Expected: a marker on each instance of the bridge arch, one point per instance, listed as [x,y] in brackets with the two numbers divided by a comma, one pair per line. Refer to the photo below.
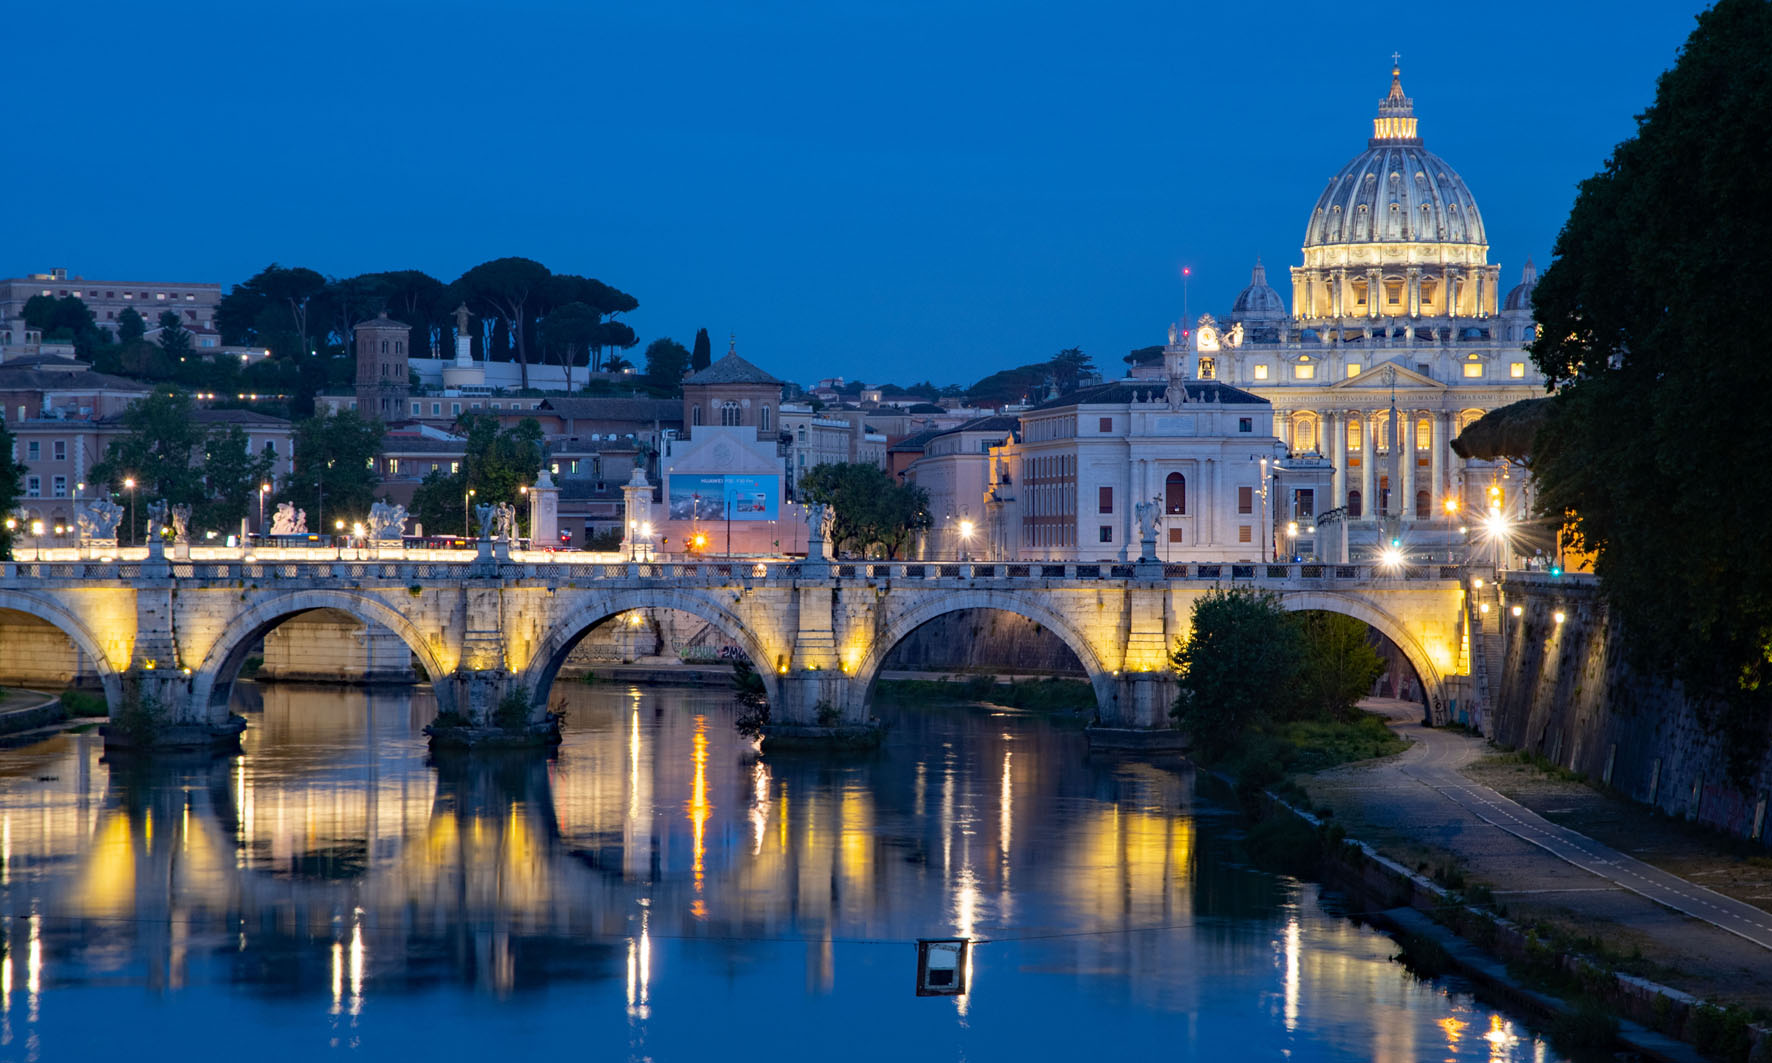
[69,624]
[566,633]
[212,684]
[1433,686]
[899,627]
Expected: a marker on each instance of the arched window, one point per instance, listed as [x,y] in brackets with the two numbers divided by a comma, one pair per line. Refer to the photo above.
[384,346]
[399,346]
[1353,504]
[695,414]
[800,433]
[729,413]
[1175,493]
[1424,506]
[763,419]
[1304,435]
[1353,436]
[1424,434]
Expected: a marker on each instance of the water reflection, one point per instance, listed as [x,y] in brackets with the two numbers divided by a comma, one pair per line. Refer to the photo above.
[672,886]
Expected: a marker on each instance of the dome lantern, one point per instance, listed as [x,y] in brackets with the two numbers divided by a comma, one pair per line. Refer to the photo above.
[1395,123]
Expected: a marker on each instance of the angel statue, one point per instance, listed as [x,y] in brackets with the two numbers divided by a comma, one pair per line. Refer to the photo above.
[507,522]
[156,519]
[486,513]
[181,523]
[98,519]
[386,521]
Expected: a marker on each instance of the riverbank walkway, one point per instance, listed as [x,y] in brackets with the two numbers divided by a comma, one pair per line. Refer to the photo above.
[1422,809]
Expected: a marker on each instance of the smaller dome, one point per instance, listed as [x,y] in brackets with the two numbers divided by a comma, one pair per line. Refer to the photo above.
[1259,301]
[1521,297]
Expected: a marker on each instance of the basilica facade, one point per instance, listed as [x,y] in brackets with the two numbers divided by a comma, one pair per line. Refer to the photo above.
[1397,336]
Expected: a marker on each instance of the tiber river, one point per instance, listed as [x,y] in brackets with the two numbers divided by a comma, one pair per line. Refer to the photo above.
[658,891]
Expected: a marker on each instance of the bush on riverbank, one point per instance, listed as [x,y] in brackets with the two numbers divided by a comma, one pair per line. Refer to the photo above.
[83,703]
[1036,695]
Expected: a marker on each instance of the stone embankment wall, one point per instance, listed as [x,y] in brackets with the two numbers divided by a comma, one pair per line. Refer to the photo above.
[1566,691]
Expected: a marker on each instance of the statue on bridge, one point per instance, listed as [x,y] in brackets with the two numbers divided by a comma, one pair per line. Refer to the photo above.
[487,514]
[386,522]
[1149,515]
[181,523]
[156,519]
[821,521]
[289,520]
[98,518]
[506,527]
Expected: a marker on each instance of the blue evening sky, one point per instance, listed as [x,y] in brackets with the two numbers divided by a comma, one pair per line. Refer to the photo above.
[891,191]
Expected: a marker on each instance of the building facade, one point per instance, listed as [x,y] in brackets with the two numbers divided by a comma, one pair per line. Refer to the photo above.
[194,302]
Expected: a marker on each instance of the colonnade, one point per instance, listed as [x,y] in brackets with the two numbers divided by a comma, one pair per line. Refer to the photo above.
[1448,291]
[1377,448]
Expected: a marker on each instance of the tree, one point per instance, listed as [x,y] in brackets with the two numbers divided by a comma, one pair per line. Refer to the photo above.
[11,477]
[496,465]
[334,467]
[1069,367]
[703,355]
[271,310]
[175,340]
[173,456]
[130,326]
[1242,657]
[507,286]
[1340,664]
[666,361]
[1640,318]
[570,329]
[871,511]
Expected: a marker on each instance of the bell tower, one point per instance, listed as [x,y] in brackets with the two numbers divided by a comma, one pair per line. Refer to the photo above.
[382,383]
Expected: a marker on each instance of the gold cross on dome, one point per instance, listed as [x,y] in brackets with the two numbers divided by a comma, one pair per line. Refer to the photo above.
[1396,58]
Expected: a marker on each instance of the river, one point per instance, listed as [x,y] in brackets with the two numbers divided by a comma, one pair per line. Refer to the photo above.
[658,891]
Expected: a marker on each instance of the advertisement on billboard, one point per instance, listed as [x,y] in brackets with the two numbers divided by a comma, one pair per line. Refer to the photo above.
[703,496]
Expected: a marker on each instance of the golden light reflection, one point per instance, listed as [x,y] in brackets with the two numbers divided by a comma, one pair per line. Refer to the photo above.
[1293,951]
[699,807]
[357,957]
[1501,1038]
[640,970]
[1006,801]
[759,806]
[338,976]
[1454,1030]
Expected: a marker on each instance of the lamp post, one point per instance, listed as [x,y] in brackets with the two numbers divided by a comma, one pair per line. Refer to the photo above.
[467,529]
[965,539]
[1262,516]
[129,483]
[263,489]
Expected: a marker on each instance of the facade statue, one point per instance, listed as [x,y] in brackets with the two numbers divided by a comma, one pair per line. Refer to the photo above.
[486,513]
[98,519]
[181,523]
[462,313]
[386,521]
[1172,333]
[1235,336]
[156,519]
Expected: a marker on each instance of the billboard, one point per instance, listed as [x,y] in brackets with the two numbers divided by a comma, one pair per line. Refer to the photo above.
[723,496]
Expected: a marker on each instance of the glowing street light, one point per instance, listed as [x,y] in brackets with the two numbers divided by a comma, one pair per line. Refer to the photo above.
[1391,558]
[467,529]
[129,485]
[263,490]
[965,538]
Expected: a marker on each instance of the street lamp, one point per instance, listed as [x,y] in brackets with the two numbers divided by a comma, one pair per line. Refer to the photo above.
[263,490]
[129,483]
[467,529]
[965,538]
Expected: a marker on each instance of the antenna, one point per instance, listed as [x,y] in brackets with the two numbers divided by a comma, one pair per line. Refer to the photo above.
[1187,320]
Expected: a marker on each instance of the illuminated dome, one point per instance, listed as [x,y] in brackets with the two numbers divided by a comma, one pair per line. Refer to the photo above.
[1521,297]
[1395,234]
[1396,191]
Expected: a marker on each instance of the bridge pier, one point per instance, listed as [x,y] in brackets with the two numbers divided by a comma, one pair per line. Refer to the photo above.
[489,708]
[819,708]
[1135,715]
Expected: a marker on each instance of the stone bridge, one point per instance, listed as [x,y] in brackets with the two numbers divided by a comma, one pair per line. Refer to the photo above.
[177,632]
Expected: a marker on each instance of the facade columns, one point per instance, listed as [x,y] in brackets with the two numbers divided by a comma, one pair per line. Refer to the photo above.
[1451,293]
[1374,289]
[1368,467]
[1406,454]
[1438,459]
[1334,425]
[1414,286]
[1337,281]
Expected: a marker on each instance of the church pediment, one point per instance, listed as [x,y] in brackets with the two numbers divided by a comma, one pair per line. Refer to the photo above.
[1386,376]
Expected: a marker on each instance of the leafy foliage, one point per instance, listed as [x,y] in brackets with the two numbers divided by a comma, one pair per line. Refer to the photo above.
[334,471]
[666,361]
[496,466]
[1641,317]
[11,485]
[703,354]
[171,455]
[1340,664]
[1241,660]
[873,512]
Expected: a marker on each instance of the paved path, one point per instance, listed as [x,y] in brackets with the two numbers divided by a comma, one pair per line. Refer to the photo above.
[1434,762]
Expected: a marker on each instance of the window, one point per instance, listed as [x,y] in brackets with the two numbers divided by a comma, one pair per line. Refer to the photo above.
[436,409]
[800,433]
[1175,494]
[399,347]
[1473,370]
[1208,369]
[1424,506]
[572,466]
[1107,424]
[1107,533]
[454,467]
[33,451]
[60,486]
[1353,436]
[1517,370]
[393,466]
[59,449]
[1424,434]
[1304,503]
[1175,535]
[695,414]
[455,408]
[416,407]
[1261,372]
[1245,424]
[1304,372]
[763,418]
[730,414]
[1245,533]
[1353,504]
[1304,436]
[1104,499]
[1245,500]
[33,487]
[1353,370]
[554,467]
